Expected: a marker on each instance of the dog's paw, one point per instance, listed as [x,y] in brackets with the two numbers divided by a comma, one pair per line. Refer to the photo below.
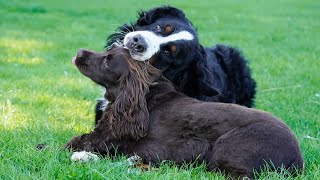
[84,156]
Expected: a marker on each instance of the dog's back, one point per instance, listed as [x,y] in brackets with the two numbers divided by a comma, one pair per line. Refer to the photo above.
[228,137]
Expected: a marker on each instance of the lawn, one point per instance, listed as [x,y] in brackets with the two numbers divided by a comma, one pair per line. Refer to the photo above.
[44,99]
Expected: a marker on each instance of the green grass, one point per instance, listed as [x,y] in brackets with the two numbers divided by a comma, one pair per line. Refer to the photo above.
[44,99]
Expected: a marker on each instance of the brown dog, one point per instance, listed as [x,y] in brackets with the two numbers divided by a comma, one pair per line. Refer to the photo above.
[148,117]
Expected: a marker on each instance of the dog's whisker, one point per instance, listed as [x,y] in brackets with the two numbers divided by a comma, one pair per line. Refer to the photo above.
[128,30]
[123,32]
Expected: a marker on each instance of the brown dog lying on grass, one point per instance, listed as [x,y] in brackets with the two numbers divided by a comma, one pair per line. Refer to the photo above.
[149,118]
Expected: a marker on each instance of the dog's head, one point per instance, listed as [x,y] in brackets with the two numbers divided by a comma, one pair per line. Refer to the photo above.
[164,31]
[105,68]
[160,30]
[166,37]
[126,82]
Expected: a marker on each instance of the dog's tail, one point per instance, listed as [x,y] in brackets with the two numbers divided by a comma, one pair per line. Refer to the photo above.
[237,69]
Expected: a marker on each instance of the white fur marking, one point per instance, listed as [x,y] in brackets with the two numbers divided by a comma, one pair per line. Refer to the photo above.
[154,41]
[104,105]
[84,156]
[134,160]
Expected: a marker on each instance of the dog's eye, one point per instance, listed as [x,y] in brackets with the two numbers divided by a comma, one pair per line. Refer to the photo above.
[170,50]
[158,28]
[107,59]
[166,52]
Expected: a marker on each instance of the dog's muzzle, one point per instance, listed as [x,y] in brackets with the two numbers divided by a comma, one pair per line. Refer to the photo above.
[137,43]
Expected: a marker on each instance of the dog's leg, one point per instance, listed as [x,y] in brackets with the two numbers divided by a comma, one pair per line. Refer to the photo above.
[85,145]
[91,142]
[77,143]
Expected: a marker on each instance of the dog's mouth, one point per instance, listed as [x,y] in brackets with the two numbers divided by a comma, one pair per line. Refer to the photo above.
[74,60]
[80,63]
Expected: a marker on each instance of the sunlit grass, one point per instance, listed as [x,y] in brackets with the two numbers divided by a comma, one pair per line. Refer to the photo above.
[20,46]
[22,51]
[44,99]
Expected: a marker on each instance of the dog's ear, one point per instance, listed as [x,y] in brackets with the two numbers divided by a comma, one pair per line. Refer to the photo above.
[205,76]
[148,17]
[130,116]
[143,18]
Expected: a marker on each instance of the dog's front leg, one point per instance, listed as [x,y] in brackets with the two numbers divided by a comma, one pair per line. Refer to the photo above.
[77,143]
[90,142]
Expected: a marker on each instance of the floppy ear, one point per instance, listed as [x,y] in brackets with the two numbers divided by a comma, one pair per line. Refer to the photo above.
[143,18]
[149,17]
[205,82]
[129,113]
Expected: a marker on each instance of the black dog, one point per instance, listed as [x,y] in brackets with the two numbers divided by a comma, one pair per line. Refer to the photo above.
[148,117]
[164,34]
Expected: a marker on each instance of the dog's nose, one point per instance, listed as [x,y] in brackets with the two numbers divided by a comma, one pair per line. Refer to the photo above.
[138,43]
[83,53]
